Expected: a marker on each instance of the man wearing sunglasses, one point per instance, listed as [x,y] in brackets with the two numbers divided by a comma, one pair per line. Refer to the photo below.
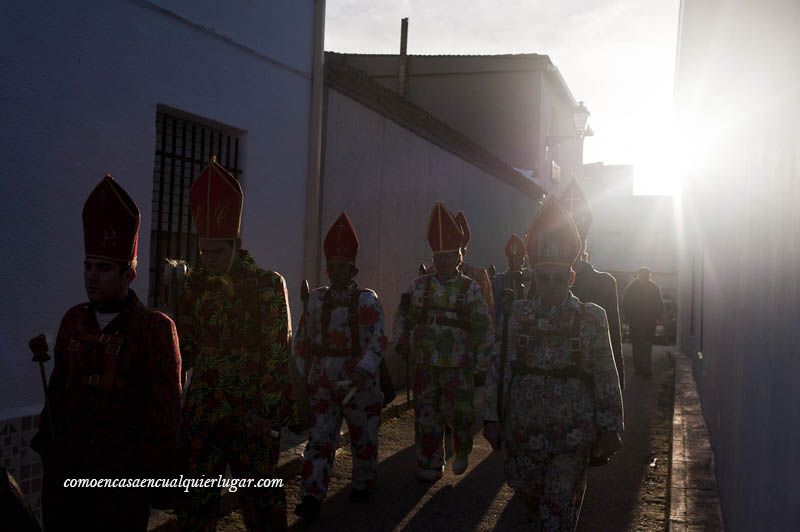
[553,398]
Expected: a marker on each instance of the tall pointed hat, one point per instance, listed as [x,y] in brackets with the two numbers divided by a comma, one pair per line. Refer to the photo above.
[215,200]
[341,242]
[462,223]
[444,233]
[111,224]
[552,236]
[577,205]
[515,247]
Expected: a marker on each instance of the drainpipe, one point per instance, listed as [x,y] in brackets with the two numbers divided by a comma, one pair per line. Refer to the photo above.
[313,207]
[402,76]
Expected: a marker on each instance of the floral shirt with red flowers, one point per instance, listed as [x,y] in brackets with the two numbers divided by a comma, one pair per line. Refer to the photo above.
[235,335]
[443,338]
[330,357]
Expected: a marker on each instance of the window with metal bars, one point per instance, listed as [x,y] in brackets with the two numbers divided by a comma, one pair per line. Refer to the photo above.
[183,148]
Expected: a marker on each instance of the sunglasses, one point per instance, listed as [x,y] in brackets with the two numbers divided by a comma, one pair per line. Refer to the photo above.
[555,278]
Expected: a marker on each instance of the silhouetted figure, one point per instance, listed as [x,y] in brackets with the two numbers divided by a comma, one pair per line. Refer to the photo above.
[340,345]
[479,275]
[642,305]
[449,329]
[591,285]
[600,288]
[235,336]
[114,394]
[512,278]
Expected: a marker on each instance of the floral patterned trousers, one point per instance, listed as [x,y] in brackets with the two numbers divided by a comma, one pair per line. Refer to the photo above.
[551,491]
[363,416]
[442,396]
[209,448]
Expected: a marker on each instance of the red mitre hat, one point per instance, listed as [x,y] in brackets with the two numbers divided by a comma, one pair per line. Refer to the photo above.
[341,242]
[462,223]
[216,203]
[111,224]
[515,247]
[444,233]
[552,237]
[574,201]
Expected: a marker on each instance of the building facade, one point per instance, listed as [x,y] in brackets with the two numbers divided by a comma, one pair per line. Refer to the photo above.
[386,161]
[146,90]
[739,287]
[510,104]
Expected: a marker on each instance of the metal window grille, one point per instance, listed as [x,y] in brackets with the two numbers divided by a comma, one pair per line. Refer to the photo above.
[183,149]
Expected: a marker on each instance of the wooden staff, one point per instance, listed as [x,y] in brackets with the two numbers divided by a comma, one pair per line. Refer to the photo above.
[39,348]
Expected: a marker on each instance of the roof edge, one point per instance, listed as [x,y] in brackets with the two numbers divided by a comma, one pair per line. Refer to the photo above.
[522,55]
[358,86]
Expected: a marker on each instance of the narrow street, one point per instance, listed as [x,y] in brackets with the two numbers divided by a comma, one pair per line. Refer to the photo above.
[627,495]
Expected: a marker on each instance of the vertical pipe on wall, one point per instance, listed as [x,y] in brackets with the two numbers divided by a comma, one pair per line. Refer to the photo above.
[313,208]
[402,73]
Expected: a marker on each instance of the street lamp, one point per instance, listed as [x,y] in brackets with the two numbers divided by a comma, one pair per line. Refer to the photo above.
[580,117]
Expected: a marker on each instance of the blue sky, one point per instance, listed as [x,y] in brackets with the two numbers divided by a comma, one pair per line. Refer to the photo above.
[616,55]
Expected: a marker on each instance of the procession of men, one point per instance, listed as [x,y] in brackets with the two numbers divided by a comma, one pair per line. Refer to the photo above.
[132,395]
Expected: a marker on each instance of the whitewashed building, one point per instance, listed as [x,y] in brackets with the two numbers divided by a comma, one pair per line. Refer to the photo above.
[738,96]
[385,162]
[517,106]
[146,90]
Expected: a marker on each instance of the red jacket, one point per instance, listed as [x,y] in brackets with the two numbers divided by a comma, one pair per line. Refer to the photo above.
[114,394]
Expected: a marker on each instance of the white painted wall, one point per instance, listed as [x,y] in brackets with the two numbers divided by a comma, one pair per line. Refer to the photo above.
[81,84]
[742,234]
[387,178]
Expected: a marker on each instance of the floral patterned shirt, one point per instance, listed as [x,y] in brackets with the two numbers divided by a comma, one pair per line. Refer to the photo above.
[308,344]
[235,334]
[444,344]
[551,413]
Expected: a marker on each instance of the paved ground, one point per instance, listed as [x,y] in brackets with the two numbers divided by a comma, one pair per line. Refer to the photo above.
[627,495]
[630,494]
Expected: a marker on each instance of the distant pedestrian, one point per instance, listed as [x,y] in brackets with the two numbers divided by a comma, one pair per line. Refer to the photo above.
[643,305]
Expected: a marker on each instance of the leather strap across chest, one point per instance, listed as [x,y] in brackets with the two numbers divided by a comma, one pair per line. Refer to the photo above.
[434,318]
[107,346]
[328,305]
[575,371]
[513,281]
